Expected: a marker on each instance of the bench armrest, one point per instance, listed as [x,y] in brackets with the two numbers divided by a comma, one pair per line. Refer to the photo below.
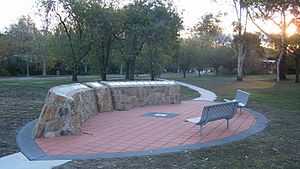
[227,100]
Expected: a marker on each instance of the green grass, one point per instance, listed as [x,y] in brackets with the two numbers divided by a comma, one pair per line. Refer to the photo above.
[277,147]
[188,94]
[264,91]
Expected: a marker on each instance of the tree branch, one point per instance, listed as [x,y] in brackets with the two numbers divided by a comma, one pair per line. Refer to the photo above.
[267,16]
[67,32]
[261,29]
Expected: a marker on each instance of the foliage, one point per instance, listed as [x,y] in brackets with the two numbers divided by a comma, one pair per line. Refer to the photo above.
[186,56]
[22,37]
[254,53]
[208,29]
[71,16]
[104,22]
[161,36]
[271,10]
[5,46]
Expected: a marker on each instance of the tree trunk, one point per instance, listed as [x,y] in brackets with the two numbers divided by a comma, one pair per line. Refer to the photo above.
[127,70]
[297,69]
[85,68]
[27,69]
[217,70]
[44,66]
[121,69]
[106,56]
[184,73]
[132,69]
[282,68]
[199,72]
[152,76]
[241,48]
[151,64]
[75,73]
[241,59]
[103,75]
[103,55]
[281,62]
[152,72]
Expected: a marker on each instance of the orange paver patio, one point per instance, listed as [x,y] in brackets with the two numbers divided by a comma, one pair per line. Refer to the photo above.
[131,131]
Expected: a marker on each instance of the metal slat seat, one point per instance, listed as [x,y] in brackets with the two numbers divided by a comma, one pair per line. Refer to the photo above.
[217,112]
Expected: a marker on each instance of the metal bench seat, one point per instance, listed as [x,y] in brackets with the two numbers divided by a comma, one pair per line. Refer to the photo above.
[241,97]
[216,112]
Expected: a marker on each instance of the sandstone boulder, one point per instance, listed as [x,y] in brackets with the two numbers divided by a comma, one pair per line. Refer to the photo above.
[66,108]
[103,96]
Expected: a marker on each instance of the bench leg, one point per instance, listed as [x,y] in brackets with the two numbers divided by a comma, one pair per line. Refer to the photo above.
[241,108]
[201,129]
[227,123]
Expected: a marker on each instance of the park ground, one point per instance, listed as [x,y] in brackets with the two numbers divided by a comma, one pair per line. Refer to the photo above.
[276,147]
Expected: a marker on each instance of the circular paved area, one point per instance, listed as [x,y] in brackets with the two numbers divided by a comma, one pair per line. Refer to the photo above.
[132,133]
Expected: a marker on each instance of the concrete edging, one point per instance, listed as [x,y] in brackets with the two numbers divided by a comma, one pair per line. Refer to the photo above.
[32,151]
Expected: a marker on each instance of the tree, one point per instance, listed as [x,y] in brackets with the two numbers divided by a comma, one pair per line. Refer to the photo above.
[136,21]
[161,35]
[40,49]
[220,56]
[200,53]
[186,56]
[104,22]
[294,50]
[71,15]
[43,36]
[272,10]
[253,50]
[211,46]
[22,36]
[5,46]
[208,30]
[240,29]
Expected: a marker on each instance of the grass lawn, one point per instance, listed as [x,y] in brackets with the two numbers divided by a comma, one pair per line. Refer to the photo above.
[276,147]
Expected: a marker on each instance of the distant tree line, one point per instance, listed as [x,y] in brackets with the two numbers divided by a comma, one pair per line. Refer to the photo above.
[143,36]
[209,49]
[94,35]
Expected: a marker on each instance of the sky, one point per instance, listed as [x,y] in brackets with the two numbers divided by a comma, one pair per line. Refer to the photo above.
[192,10]
[11,10]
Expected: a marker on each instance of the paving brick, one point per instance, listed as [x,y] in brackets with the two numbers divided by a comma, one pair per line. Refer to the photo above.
[130,131]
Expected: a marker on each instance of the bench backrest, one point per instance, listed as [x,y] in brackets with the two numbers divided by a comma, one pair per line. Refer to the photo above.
[218,111]
[242,97]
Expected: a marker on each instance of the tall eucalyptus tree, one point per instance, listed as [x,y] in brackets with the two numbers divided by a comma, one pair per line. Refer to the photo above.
[71,16]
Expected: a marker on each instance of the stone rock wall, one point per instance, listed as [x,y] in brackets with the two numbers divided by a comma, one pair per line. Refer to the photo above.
[67,107]
[128,95]
[103,96]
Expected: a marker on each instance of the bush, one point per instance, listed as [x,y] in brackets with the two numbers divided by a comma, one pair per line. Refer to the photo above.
[4,72]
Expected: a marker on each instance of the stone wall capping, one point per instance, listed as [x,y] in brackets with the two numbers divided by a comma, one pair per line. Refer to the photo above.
[94,84]
[138,83]
[68,90]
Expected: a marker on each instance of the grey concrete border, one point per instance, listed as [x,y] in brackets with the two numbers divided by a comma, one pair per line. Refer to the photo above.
[32,151]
